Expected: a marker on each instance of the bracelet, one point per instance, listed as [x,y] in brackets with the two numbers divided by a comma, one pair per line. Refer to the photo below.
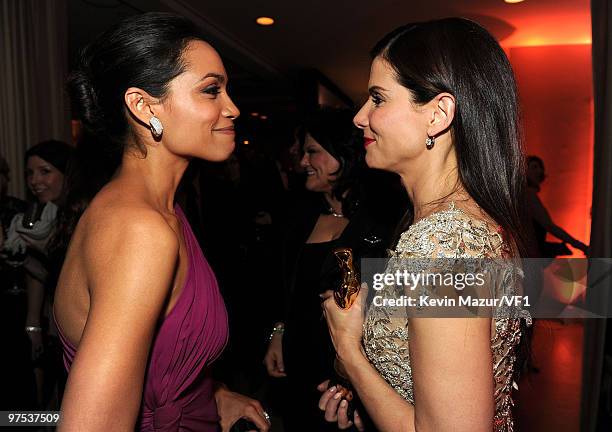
[278,329]
[33,329]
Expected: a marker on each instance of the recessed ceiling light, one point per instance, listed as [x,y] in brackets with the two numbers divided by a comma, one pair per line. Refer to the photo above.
[265,21]
[514,1]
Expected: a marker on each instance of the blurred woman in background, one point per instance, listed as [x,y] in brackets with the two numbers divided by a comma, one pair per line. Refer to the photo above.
[540,218]
[336,215]
[26,250]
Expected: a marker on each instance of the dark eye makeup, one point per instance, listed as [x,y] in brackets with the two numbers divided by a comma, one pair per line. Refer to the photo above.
[376,99]
[213,89]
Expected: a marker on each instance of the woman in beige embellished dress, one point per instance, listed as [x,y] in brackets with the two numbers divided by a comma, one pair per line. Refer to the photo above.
[442,114]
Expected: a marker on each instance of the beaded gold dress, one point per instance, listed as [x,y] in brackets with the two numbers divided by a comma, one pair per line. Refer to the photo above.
[450,233]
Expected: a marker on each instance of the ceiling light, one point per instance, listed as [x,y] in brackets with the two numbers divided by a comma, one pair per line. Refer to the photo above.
[514,1]
[265,21]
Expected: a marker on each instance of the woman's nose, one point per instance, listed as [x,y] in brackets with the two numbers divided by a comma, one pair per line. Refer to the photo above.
[34,179]
[361,118]
[231,110]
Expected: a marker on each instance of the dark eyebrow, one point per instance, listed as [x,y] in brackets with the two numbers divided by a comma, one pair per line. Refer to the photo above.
[375,89]
[220,78]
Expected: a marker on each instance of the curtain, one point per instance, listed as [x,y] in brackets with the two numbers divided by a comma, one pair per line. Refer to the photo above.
[601,229]
[33,69]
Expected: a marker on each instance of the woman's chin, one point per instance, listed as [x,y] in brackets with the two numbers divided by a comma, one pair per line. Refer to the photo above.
[371,161]
[45,198]
[314,185]
[219,155]
[309,185]
[383,165]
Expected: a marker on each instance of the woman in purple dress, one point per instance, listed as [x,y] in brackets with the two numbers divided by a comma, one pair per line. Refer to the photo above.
[138,308]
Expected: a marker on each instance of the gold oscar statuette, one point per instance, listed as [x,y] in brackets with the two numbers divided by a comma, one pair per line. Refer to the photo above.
[346,293]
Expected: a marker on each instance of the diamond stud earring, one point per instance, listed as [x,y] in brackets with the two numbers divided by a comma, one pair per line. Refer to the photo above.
[156,127]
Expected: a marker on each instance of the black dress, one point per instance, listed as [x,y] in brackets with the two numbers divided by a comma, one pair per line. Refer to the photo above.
[307,349]
[310,269]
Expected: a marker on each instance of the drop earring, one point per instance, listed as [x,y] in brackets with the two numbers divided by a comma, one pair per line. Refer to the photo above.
[429,142]
[156,127]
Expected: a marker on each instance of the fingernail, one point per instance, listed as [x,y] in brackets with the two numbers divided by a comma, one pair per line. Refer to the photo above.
[343,403]
[332,389]
[337,396]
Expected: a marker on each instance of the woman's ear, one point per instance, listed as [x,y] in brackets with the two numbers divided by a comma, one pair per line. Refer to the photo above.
[140,104]
[442,114]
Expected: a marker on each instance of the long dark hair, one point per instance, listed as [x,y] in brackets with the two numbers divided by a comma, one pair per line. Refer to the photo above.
[144,51]
[460,57]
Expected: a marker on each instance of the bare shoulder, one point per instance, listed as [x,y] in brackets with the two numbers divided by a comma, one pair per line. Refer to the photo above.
[130,255]
[125,242]
[129,226]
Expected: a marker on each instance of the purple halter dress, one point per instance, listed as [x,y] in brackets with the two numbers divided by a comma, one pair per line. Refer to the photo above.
[178,389]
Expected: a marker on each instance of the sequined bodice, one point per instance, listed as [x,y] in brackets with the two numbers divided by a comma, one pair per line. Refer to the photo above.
[447,234]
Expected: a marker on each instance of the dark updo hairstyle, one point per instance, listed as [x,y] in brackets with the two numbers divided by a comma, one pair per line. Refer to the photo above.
[458,56]
[333,129]
[144,51]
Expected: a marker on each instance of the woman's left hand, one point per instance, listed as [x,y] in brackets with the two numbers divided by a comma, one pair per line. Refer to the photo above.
[336,408]
[345,325]
[234,406]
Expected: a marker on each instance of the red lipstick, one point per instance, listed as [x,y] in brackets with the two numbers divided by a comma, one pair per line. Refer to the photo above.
[368,141]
